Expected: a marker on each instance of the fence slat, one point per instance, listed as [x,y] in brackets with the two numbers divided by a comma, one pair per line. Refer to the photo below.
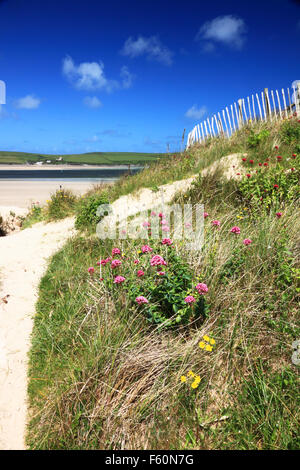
[284,103]
[249,108]
[229,120]
[274,107]
[263,106]
[279,105]
[233,123]
[290,104]
[258,103]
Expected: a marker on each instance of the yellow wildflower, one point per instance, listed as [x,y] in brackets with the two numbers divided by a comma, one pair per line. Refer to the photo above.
[190,373]
[208,347]
[206,338]
[212,341]
[197,379]
[195,384]
[202,345]
[183,378]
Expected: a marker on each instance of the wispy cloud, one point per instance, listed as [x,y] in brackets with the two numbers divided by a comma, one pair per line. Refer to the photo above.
[196,113]
[127,77]
[93,139]
[91,76]
[28,102]
[151,47]
[92,102]
[229,30]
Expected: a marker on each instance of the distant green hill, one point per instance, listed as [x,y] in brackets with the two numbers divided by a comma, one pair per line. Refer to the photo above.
[92,158]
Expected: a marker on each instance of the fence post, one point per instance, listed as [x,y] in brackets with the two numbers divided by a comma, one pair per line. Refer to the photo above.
[267,103]
[297,99]
[240,104]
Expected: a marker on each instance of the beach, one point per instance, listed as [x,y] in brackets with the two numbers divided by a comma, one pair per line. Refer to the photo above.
[22,194]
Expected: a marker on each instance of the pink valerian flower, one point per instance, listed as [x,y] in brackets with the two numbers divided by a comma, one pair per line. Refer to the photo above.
[189,299]
[167,241]
[119,279]
[165,228]
[278,214]
[98,263]
[248,175]
[103,262]
[265,164]
[161,215]
[157,260]
[205,214]
[141,300]
[235,229]
[163,222]
[276,147]
[244,159]
[146,224]
[202,288]
[160,273]
[146,249]
[136,261]
[251,161]
[115,263]
[247,241]
[153,214]
[217,223]
[187,225]
[140,273]
[91,270]
[108,260]
[115,251]
[279,157]
[275,186]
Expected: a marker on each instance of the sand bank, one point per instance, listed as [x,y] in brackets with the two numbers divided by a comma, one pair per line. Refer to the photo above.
[22,193]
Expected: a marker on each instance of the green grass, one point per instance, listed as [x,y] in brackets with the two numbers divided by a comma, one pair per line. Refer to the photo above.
[93,158]
[101,376]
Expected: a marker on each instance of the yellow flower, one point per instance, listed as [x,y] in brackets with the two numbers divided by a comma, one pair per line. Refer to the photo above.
[212,341]
[206,338]
[195,384]
[208,347]
[197,379]
[183,378]
[202,345]
[190,373]
[139,251]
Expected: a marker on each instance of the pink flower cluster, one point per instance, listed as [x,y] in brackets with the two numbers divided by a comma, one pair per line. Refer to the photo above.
[157,260]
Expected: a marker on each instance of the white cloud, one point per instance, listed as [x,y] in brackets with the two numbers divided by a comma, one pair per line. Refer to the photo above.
[87,75]
[90,76]
[151,47]
[28,102]
[196,113]
[228,29]
[92,102]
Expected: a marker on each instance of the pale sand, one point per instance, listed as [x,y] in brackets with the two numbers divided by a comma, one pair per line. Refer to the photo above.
[22,193]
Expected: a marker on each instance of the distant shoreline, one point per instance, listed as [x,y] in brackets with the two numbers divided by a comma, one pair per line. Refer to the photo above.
[66,166]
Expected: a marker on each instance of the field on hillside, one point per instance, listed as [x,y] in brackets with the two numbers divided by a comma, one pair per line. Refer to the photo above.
[94,158]
[146,344]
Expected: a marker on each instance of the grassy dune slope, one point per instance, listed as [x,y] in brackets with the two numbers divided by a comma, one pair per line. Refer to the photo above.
[109,373]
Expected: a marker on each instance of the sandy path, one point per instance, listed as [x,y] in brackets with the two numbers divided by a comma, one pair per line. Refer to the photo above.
[23,260]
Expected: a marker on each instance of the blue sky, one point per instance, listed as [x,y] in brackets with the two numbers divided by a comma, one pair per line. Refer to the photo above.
[85,76]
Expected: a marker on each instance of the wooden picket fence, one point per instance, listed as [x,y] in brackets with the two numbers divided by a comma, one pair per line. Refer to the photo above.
[259,107]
